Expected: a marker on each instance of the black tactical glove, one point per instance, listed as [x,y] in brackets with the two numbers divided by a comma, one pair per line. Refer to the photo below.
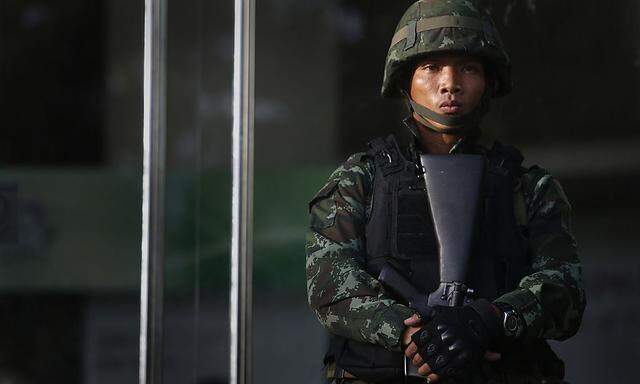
[457,338]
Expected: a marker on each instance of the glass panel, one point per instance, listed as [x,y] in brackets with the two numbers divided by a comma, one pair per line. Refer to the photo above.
[318,72]
[198,194]
[70,190]
[575,110]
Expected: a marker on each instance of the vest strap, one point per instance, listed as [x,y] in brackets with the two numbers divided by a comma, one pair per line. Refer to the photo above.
[386,154]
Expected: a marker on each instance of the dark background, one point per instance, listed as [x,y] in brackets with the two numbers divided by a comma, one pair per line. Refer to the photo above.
[71,156]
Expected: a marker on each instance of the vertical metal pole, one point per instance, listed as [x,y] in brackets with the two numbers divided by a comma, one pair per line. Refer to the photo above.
[242,211]
[200,49]
[152,265]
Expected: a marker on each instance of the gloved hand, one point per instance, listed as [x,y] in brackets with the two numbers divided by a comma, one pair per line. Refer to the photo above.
[457,338]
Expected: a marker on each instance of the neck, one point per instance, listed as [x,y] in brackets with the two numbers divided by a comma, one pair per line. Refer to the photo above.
[434,142]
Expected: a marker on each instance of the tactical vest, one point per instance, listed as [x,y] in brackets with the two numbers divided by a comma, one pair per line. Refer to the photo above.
[400,231]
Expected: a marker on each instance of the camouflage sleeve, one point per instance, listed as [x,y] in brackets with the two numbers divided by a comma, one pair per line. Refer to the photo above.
[346,299]
[551,298]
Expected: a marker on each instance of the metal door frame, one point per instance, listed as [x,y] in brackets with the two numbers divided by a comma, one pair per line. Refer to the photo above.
[240,315]
[153,193]
[152,247]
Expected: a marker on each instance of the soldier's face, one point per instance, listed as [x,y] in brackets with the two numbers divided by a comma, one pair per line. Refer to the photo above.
[451,84]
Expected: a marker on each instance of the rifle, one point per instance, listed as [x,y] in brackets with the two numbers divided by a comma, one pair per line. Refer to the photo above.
[453,184]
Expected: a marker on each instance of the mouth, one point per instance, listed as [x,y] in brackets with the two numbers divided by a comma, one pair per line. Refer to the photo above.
[451,107]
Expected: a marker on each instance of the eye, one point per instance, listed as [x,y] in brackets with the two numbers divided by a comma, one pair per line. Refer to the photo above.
[430,67]
[471,68]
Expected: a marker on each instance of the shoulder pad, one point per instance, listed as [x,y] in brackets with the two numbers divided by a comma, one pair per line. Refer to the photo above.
[535,183]
[532,176]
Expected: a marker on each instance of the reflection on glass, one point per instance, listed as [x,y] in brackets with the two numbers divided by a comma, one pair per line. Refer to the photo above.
[198,191]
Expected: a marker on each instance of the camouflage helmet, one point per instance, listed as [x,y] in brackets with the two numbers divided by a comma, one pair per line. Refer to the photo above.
[432,26]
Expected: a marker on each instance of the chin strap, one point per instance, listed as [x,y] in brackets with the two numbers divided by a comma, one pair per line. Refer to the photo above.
[454,124]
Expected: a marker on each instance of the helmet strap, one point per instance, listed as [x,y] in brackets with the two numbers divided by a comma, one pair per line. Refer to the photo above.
[453,125]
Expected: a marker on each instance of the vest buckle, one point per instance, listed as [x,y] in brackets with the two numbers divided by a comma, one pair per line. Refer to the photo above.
[385,155]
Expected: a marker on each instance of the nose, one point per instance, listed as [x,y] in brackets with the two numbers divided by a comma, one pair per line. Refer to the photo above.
[449,81]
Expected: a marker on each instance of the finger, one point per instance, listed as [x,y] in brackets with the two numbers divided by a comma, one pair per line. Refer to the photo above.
[424,370]
[408,333]
[413,320]
[407,340]
[492,356]
[417,360]
[432,378]
[411,350]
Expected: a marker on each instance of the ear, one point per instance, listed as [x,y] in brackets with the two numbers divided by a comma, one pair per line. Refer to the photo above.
[405,84]
[407,77]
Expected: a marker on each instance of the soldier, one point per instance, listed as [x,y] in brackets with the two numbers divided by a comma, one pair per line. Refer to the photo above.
[447,61]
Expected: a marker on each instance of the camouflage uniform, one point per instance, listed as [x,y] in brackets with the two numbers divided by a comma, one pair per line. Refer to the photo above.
[351,303]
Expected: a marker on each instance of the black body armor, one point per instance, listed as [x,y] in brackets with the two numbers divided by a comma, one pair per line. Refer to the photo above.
[400,231]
